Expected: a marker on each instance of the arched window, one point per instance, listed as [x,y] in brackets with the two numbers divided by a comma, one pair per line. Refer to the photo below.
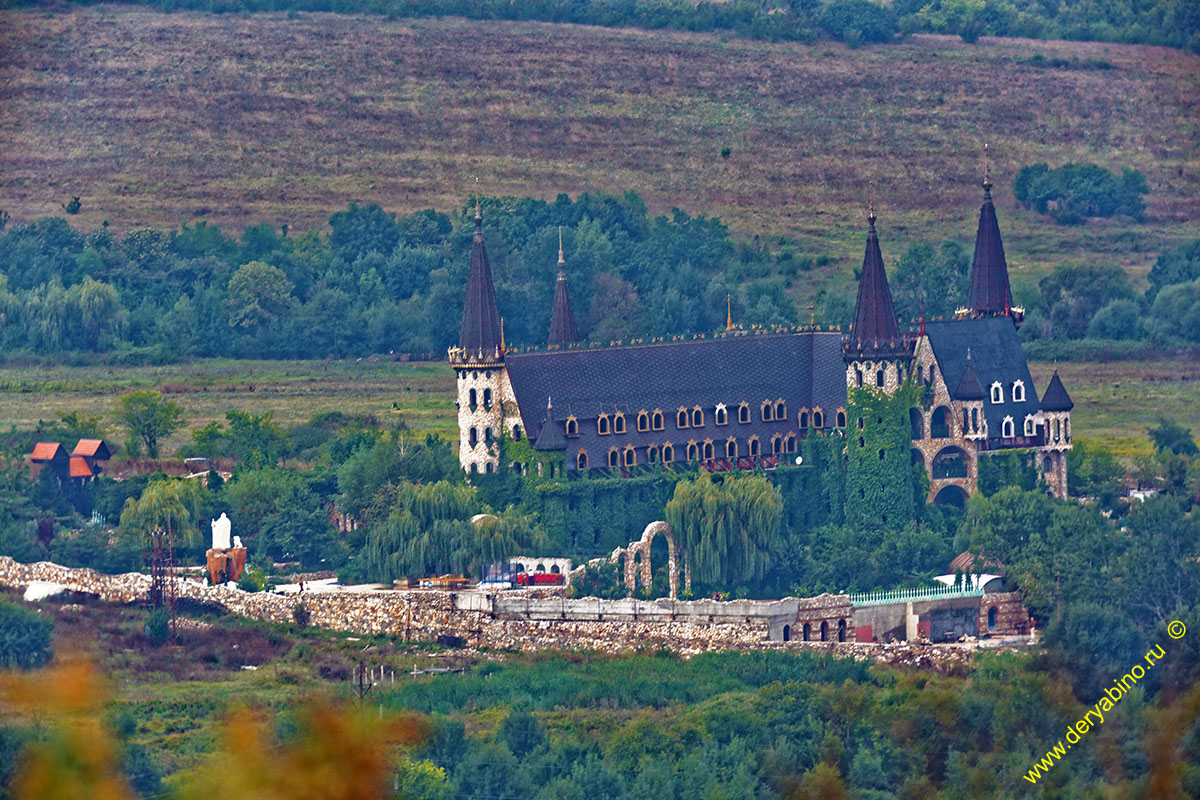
[858,378]
[681,418]
[879,377]
[743,413]
[708,450]
[473,437]
[652,454]
[643,422]
[804,419]
[841,630]
[697,417]
[1056,430]
[581,460]
[768,411]
[516,433]
[1007,428]
[572,426]
[721,415]
[474,468]
[780,410]
[618,423]
[975,420]
[1029,427]
[487,399]
[916,424]
[693,452]
[1018,391]
[491,468]
[841,418]
[807,631]
[487,435]
[1067,429]
[472,400]
[630,456]
[939,424]
[668,453]
[602,425]
[614,457]
[754,447]
[991,617]
[656,419]
[789,443]
[731,449]
[776,444]
[818,418]
[824,631]
[997,392]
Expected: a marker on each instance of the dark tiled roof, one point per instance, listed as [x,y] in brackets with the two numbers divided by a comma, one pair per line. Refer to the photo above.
[874,327]
[481,318]
[562,319]
[1056,397]
[805,370]
[969,387]
[989,290]
[996,355]
[550,437]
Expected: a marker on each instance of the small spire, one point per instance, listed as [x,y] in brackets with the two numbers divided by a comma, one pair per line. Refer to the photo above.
[923,320]
[549,405]
[562,262]
[987,174]
[478,220]
[871,210]
[728,313]
[502,334]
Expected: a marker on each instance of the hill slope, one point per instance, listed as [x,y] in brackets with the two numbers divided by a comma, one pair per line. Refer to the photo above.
[157,119]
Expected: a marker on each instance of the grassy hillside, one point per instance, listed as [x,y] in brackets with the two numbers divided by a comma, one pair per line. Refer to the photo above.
[1114,402]
[158,119]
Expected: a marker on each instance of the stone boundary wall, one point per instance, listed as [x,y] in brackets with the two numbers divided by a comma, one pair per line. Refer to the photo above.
[498,622]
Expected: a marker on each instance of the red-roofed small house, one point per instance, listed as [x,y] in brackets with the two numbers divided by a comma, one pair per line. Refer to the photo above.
[92,451]
[81,470]
[52,455]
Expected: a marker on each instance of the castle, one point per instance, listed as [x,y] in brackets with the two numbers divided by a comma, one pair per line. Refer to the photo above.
[745,399]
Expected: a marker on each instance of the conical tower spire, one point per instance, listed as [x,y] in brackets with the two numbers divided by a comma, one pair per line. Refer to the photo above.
[989,291]
[874,332]
[562,318]
[480,332]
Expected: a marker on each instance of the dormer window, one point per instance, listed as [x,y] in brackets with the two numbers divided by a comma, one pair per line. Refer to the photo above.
[708,450]
[721,416]
[1018,391]
[1029,426]
[768,411]
[602,425]
[643,422]
[731,449]
[652,454]
[668,452]
[818,418]
[630,456]
[581,460]
[789,443]
[780,409]
[681,418]
[997,392]
[697,417]
[572,426]
[841,418]
[656,419]
[1007,428]
[804,419]
[776,444]
[614,457]
[754,447]
[618,423]
[743,413]
[693,452]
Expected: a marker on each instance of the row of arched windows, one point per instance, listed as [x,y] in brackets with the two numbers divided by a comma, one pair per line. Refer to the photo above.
[807,632]
[1018,392]
[473,436]
[473,399]
[694,417]
[706,450]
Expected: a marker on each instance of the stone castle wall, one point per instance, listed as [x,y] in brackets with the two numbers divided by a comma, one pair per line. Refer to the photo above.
[522,621]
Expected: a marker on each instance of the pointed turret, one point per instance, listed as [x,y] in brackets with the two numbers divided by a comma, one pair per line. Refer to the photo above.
[562,318]
[1056,397]
[550,437]
[969,387]
[480,331]
[874,332]
[989,292]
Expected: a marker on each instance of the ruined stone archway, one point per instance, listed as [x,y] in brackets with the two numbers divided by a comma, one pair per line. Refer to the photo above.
[642,548]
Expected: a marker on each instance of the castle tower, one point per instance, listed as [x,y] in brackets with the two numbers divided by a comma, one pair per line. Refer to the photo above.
[562,319]
[878,485]
[969,397]
[875,353]
[988,291]
[478,362]
[1056,411]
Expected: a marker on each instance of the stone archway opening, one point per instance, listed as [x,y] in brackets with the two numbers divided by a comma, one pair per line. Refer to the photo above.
[951,496]
[916,424]
[939,424]
[950,462]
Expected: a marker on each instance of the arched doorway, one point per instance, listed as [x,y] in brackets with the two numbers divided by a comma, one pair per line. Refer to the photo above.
[951,496]
[916,423]
[950,462]
[787,633]
[939,424]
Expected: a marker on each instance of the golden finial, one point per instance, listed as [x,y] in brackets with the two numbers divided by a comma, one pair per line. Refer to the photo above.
[812,316]
[562,262]
[502,334]
[871,207]
[728,313]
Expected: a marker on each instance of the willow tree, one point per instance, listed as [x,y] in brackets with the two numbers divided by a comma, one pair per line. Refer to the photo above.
[169,505]
[726,530]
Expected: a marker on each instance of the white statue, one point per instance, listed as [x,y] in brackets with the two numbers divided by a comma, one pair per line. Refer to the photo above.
[237,541]
[220,532]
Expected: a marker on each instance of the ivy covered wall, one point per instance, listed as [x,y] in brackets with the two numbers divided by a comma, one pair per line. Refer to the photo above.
[879,476]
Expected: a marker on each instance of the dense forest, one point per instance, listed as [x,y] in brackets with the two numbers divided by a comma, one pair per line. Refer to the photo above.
[378,283]
[1175,23]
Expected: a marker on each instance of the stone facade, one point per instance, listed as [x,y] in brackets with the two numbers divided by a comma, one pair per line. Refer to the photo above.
[484,394]
[959,425]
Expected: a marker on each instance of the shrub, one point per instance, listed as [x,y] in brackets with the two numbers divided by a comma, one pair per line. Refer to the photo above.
[302,616]
[158,627]
[1073,192]
[24,637]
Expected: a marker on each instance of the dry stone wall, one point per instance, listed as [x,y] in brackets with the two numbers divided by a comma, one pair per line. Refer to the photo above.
[522,621]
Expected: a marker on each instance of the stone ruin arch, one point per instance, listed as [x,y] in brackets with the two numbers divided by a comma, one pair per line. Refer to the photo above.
[635,558]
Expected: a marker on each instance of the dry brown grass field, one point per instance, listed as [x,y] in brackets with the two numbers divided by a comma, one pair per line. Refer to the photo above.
[158,119]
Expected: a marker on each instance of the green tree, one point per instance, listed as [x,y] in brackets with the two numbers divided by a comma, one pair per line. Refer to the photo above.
[1178,265]
[257,295]
[879,474]
[24,637]
[1170,436]
[149,416]
[363,229]
[1176,312]
[171,505]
